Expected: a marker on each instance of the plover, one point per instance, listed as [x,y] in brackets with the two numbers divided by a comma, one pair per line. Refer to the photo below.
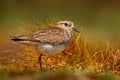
[49,40]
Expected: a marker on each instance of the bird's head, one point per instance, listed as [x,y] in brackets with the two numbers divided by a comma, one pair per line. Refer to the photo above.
[67,25]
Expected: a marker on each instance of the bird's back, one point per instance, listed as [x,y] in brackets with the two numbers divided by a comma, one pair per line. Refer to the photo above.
[55,36]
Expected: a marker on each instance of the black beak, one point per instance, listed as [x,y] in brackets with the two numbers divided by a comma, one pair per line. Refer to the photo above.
[76,30]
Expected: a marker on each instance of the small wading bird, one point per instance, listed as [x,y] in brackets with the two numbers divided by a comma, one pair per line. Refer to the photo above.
[49,40]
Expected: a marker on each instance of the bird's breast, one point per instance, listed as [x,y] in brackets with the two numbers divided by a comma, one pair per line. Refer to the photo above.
[53,49]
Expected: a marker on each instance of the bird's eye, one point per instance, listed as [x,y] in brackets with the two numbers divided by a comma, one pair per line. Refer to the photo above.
[66,24]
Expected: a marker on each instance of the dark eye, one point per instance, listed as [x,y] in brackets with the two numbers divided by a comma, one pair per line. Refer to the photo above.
[66,24]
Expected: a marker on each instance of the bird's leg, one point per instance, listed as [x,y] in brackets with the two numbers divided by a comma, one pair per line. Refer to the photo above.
[40,56]
[46,58]
[40,62]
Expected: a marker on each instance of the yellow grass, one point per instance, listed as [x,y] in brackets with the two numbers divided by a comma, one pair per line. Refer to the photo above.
[78,56]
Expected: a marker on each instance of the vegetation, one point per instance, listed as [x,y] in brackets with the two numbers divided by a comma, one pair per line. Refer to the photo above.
[79,61]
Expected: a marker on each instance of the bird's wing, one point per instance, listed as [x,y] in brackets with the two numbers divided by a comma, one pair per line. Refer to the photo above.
[51,35]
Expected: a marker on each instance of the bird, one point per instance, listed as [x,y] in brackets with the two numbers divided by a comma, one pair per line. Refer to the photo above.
[49,40]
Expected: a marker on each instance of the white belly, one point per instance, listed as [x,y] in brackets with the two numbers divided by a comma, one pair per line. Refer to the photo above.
[52,49]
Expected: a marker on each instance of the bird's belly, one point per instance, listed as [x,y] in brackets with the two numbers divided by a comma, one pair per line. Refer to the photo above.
[53,49]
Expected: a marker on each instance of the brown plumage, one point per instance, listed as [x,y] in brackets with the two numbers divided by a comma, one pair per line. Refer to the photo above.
[53,36]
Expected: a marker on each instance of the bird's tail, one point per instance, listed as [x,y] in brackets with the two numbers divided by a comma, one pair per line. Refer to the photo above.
[17,38]
[23,39]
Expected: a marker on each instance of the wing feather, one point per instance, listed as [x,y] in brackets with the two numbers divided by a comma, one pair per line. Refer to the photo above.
[51,35]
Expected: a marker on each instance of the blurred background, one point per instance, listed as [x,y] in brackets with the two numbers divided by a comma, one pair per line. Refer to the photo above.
[99,19]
